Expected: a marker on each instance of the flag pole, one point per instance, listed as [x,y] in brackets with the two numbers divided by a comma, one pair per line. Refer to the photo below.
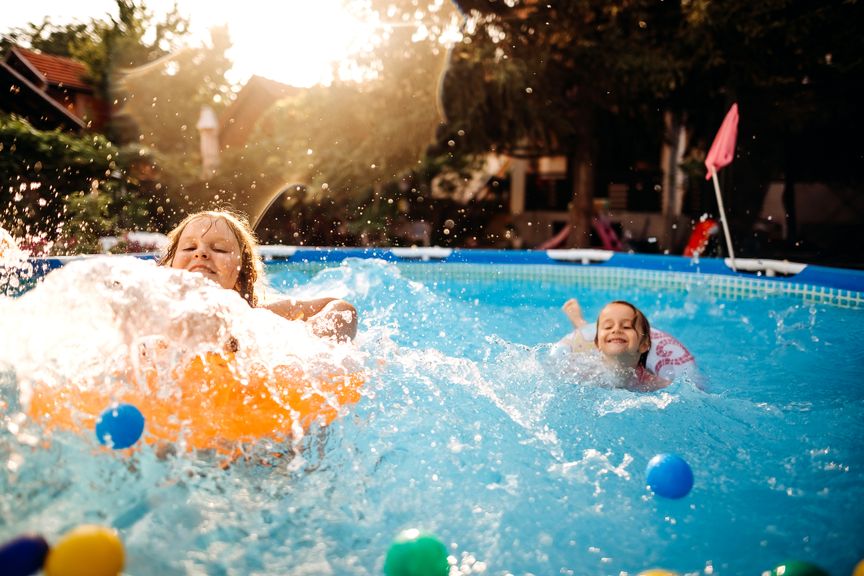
[723,218]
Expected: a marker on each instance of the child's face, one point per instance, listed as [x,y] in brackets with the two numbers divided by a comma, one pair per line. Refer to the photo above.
[207,246]
[619,336]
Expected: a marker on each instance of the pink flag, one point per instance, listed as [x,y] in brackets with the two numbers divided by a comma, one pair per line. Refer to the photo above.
[723,149]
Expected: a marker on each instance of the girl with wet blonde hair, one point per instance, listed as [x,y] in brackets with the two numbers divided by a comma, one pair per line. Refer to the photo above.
[250,263]
[221,246]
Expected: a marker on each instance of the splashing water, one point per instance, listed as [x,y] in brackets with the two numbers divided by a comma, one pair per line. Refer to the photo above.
[473,424]
[15,268]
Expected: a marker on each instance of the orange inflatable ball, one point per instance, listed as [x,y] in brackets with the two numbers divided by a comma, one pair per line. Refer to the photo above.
[657,572]
[859,569]
[87,550]
[213,407]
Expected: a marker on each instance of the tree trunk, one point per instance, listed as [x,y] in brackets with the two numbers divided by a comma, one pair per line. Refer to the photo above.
[581,207]
[789,195]
[581,172]
[674,144]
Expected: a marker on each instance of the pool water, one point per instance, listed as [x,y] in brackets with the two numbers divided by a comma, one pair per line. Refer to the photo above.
[473,425]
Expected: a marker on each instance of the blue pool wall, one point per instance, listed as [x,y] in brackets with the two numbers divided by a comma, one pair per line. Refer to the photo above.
[839,286]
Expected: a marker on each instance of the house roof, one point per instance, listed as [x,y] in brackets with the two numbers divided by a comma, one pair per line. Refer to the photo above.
[56,70]
[256,96]
[20,96]
[271,87]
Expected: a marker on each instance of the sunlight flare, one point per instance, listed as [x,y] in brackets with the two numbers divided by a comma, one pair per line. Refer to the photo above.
[298,42]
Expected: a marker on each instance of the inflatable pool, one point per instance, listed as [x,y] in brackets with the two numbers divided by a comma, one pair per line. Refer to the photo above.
[466,427]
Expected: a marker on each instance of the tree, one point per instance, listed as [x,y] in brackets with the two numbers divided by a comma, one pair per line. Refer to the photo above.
[165,96]
[109,47]
[346,140]
[46,172]
[537,78]
[47,37]
[156,79]
[792,67]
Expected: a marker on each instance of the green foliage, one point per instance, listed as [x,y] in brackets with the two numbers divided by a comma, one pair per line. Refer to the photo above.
[162,102]
[40,168]
[108,46]
[346,140]
[348,136]
[147,66]
[550,68]
[164,99]
[88,216]
[550,77]
[55,183]
[47,37]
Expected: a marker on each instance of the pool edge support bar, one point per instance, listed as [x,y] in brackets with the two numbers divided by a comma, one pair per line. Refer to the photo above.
[770,268]
[579,255]
[276,251]
[425,253]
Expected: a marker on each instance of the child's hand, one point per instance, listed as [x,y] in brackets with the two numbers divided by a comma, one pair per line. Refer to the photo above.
[337,319]
[574,312]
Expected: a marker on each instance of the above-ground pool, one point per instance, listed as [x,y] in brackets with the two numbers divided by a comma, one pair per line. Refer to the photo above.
[473,424]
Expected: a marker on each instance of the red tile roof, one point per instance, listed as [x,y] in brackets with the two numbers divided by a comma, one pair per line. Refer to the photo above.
[57,69]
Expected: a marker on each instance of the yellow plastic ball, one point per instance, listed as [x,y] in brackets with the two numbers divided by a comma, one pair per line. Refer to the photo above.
[657,572]
[859,569]
[87,550]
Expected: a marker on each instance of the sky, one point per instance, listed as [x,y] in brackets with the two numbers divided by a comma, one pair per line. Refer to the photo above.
[293,41]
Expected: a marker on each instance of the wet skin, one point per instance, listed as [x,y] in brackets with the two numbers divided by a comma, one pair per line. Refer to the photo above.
[207,246]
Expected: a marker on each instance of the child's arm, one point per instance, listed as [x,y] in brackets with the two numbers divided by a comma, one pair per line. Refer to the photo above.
[574,312]
[328,317]
[576,340]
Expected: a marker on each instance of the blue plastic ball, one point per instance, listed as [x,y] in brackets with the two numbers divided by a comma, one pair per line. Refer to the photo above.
[669,476]
[120,426]
[23,555]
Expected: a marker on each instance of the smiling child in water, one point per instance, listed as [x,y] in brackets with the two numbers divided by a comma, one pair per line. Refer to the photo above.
[623,338]
[220,246]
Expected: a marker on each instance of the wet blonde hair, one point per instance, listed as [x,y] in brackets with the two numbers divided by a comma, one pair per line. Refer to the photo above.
[643,328]
[250,263]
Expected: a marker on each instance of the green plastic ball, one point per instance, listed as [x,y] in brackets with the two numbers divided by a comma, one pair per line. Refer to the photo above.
[798,568]
[414,553]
